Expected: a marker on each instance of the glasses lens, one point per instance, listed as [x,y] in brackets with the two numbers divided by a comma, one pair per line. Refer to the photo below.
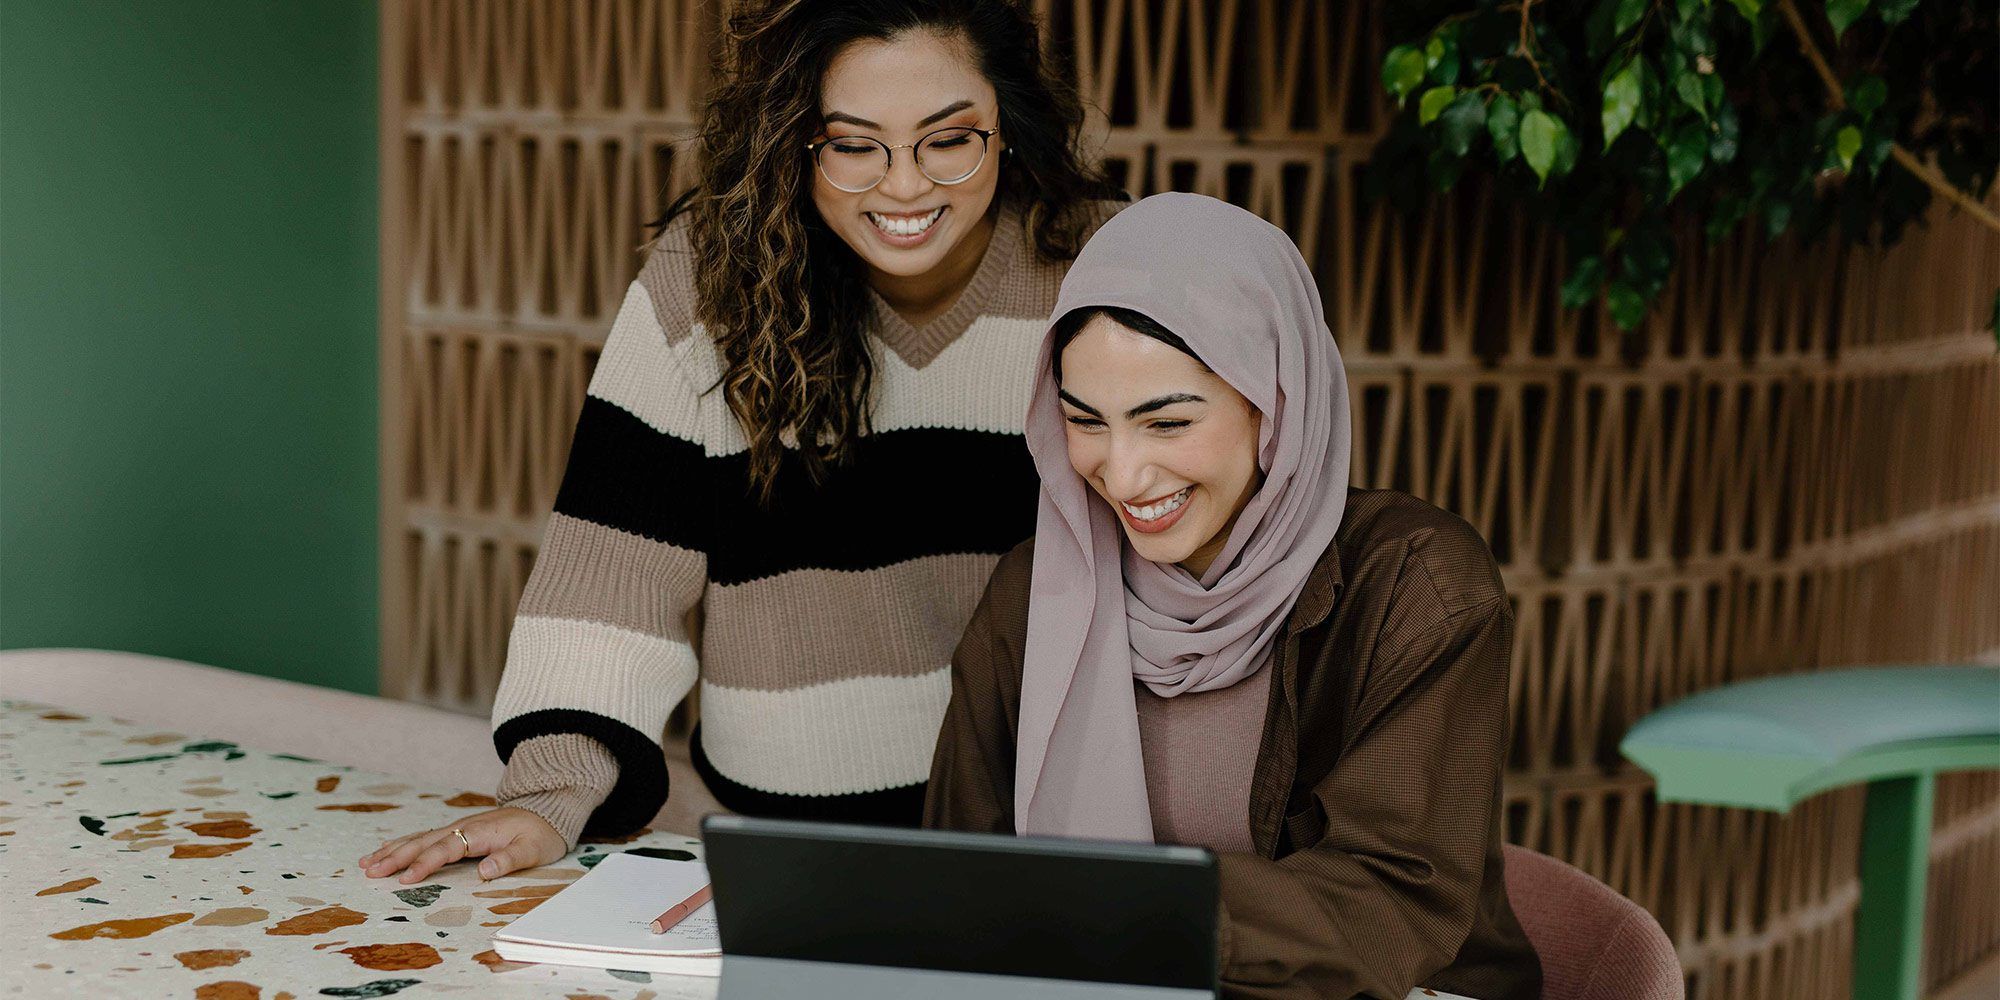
[855,164]
[951,155]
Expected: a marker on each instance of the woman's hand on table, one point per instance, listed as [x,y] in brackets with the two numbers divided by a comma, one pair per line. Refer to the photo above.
[510,838]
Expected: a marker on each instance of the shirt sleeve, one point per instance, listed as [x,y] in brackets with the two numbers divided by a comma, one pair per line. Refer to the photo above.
[972,771]
[602,645]
[1406,815]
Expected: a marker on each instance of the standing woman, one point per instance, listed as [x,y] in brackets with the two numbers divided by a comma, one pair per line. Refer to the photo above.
[800,454]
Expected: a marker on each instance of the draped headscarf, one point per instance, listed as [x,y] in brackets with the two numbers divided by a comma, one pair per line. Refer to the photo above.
[1236,290]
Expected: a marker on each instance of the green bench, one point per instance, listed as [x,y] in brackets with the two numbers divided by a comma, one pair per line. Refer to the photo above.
[1773,742]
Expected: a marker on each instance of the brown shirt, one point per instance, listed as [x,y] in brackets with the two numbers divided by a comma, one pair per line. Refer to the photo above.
[1374,806]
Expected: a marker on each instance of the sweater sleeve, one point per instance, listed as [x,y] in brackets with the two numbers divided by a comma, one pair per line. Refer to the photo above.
[602,646]
[1406,814]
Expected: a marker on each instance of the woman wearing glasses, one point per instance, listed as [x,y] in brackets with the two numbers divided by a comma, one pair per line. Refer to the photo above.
[800,454]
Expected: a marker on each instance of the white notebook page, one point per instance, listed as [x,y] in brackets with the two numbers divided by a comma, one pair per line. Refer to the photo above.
[607,910]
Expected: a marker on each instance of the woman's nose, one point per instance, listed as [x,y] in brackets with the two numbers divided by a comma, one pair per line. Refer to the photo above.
[904,181]
[1126,473]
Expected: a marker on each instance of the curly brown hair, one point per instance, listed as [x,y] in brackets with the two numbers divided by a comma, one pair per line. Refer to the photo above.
[782,295]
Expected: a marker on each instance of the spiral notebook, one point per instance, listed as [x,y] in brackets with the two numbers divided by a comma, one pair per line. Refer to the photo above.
[600,921]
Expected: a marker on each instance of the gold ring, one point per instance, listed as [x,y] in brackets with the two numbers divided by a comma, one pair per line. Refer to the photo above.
[461,839]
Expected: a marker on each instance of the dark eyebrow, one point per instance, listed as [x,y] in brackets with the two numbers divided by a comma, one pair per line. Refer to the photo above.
[1078,403]
[949,110]
[1162,402]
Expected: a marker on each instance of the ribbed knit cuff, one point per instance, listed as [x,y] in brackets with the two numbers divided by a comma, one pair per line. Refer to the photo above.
[562,777]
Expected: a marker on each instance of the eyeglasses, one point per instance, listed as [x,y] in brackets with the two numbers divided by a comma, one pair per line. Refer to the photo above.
[857,163]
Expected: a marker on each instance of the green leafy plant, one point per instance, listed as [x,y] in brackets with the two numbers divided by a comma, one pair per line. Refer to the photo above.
[1619,119]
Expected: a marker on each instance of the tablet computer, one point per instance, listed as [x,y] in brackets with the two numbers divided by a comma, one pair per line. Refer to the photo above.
[835,910]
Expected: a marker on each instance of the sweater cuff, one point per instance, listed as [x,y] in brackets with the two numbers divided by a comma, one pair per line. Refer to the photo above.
[561,777]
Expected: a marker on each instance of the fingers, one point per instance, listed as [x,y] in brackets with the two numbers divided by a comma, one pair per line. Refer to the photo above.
[504,860]
[445,849]
[389,846]
[397,854]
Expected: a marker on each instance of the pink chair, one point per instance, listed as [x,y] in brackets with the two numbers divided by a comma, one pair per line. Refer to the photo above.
[1594,943]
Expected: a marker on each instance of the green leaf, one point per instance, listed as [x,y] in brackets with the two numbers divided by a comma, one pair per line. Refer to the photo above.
[1847,143]
[1568,149]
[1628,307]
[1503,123]
[1463,119]
[1581,285]
[1865,94]
[1441,57]
[1723,136]
[1433,103]
[1748,8]
[1844,13]
[1539,132]
[1621,100]
[1687,153]
[1688,86]
[1402,71]
[1894,12]
[1629,12]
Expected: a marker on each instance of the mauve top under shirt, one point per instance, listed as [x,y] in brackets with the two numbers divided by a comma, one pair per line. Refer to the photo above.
[1200,751]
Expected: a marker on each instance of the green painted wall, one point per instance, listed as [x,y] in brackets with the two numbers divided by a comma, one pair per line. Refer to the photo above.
[188,332]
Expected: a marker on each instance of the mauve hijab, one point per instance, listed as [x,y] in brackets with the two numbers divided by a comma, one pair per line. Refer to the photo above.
[1236,290]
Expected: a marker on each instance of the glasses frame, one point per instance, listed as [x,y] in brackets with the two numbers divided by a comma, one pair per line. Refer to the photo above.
[889,155]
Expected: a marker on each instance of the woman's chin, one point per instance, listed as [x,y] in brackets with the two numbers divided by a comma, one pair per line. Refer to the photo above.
[1154,548]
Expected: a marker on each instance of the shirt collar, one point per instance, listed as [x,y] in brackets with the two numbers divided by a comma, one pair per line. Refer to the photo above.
[1321,590]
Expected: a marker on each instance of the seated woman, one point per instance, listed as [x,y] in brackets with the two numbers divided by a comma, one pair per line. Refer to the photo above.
[1213,640]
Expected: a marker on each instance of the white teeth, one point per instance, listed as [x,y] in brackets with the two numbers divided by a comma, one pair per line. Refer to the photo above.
[1159,510]
[896,226]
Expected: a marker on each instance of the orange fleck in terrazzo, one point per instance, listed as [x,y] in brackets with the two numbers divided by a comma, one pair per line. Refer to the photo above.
[394,957]
[466,799]
[207,850]
[57,890]
[210,958]
[318,921]
[360,807]
[135,928]
[494,963]
[229,829]
[517,907]
[522,891]
[328,783]
[230,989]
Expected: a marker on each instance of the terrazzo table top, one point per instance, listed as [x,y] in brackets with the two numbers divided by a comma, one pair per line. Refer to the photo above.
[138,862]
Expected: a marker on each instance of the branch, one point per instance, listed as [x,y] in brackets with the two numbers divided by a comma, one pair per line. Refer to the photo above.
[1528,52]
[1836,97]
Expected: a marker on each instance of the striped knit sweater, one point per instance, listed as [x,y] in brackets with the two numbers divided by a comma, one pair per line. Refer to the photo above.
[819,629]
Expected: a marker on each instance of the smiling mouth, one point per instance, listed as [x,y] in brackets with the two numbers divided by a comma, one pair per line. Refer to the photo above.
[1157,509]
[905,225]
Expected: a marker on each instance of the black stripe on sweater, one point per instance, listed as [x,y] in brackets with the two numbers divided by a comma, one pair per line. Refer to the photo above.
[642,768]
[889,807]
[906,494]
[624,474]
